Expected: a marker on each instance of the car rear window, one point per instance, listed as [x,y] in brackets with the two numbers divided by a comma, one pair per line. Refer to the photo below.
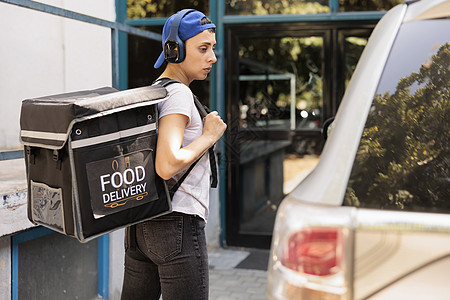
[403,158]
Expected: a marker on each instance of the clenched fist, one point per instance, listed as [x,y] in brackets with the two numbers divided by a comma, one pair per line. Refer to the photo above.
[213,126]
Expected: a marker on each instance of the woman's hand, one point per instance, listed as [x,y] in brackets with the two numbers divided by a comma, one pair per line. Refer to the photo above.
[171,158]
[213,127]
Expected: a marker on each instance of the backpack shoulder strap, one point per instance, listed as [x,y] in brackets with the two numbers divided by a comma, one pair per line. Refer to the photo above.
[165,81]
[203,110]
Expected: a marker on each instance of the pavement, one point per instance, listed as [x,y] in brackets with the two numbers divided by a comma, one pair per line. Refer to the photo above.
[237,274]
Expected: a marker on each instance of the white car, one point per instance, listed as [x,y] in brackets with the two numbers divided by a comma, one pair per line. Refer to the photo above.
[372,221]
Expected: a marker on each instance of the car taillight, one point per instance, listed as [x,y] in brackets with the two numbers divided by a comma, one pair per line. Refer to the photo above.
[311,250]
[314,251]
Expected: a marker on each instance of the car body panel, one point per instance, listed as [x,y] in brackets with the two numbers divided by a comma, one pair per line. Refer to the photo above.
[384,253]
[416,284]
[393,249]
[427,10]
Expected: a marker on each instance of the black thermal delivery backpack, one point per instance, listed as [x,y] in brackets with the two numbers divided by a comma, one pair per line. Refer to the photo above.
[89,160]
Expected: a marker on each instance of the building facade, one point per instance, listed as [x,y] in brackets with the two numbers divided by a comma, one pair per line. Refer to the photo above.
[282,69]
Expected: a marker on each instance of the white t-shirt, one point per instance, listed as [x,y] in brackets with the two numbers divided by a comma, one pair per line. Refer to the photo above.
[192,197]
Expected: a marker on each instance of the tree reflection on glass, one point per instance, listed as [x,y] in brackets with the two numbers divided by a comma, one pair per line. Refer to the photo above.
[265,102]
[367,5]
[403,158]
[267,7]
[137,9]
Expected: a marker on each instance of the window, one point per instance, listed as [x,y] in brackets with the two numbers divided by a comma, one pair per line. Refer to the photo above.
[354,46]
[403,157]
[137,9]
[268,7]
[281,82]
[367,5]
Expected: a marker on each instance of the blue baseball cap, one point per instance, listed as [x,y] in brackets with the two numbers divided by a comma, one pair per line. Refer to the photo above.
[190,26]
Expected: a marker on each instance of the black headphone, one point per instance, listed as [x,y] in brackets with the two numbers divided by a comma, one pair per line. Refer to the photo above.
[174,49]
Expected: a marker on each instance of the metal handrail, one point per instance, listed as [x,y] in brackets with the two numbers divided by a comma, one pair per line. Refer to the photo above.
[14,154]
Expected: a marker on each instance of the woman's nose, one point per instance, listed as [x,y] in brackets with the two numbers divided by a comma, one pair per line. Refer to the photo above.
[213,57]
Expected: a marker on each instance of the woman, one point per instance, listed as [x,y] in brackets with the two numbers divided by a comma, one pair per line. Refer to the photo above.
[170,256]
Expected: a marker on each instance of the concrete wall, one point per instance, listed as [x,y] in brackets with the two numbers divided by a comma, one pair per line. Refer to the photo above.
[42,54]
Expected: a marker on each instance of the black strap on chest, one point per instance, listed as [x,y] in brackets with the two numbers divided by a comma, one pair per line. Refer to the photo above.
[203,111]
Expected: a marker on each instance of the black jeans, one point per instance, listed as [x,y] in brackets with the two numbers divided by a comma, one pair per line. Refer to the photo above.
[169,257]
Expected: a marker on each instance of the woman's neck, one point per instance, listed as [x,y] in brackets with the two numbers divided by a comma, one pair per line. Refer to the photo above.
[176,74]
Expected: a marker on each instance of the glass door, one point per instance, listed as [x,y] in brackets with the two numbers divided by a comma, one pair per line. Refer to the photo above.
[276,102]
[283,82]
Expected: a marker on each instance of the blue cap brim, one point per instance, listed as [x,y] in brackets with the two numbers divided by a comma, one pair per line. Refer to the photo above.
[160,61]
